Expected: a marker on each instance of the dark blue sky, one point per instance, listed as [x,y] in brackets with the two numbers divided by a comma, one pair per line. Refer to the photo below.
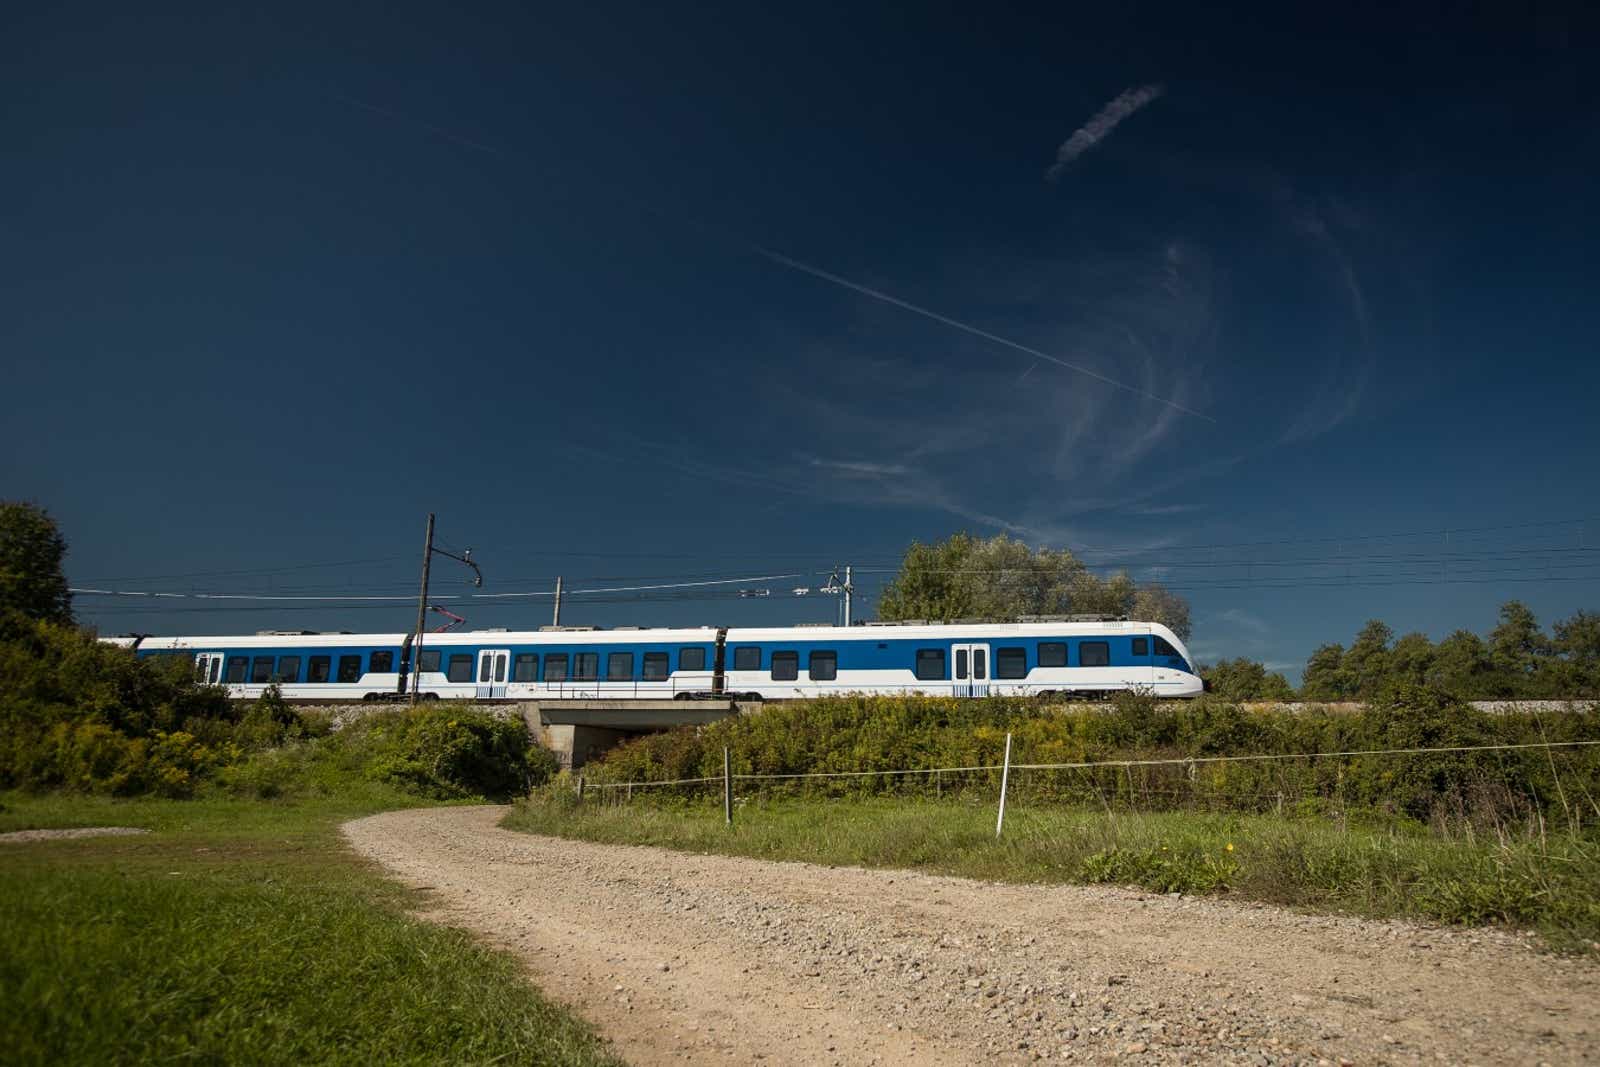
[276,285]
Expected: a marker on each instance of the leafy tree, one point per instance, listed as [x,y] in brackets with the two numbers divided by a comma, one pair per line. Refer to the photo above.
[1325,677]
[1516,649]
[1577,642]
[1461,665]
[968,577]
[31,579]
[1411,659]
[1366,664]
[929,584]
[1156,603]
[1243,679]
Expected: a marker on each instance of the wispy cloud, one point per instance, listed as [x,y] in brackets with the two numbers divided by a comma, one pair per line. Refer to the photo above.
[1166,509]
[1344,381]
[861,468]
[1099,128]
[827,276]
[1243,619]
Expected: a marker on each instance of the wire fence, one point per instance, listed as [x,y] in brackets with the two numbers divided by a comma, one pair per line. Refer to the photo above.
[1426,782]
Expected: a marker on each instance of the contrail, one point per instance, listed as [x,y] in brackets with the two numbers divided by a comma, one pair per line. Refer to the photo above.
[1098,128]
[440,131]
[817,272]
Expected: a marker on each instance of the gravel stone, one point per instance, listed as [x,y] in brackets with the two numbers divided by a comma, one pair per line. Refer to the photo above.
[897,959]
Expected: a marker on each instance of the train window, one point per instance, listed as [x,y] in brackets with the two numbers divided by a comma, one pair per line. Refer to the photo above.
[485,665]
[961,663]
[619,667]
[824,665]
[261,670]
[1141,646]
[980,664]
[930,664]
[238,669]
[691,659]
[1052,653]
[1094,654]
[1164,649]
[785,666]
[747,658]
[459,670]
[349,668]
[320,667]
[655,667]
[429,660]
[1010,663]
[381,663]
[555,667]
[525,668]
[288,670]
[585,666]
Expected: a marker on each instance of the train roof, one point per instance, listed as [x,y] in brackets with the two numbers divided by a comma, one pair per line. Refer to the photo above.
[934,630]
[473,638]
[574,635]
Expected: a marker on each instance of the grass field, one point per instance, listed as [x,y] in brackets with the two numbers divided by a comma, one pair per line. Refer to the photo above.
[244,932]
[1551,884]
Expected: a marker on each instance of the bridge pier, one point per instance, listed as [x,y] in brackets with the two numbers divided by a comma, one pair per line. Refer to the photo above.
[578,731]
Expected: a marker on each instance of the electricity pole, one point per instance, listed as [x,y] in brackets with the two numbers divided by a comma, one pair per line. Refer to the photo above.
[847,590]
[556,621]
[422,611]
[422,602]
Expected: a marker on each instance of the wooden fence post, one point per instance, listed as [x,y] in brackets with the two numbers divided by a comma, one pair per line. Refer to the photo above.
[580,788]
[1005,777]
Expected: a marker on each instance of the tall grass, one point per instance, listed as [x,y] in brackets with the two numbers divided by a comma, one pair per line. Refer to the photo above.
[1391,868]
[1494,788]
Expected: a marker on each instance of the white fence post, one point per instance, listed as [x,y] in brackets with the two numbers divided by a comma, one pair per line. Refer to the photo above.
[1005,776]
[727,788]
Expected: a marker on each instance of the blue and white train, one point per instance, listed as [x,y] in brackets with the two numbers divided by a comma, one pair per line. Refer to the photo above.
[1068,659]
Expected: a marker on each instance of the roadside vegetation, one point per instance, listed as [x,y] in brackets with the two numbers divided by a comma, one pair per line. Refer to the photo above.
[243,931]
[240,929]
[1505,836]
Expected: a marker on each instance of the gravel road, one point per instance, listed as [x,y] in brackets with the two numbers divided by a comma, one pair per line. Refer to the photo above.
[679,957]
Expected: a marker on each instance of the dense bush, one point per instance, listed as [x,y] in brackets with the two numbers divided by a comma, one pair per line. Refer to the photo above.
[80,715]
[882,733]
[447,752]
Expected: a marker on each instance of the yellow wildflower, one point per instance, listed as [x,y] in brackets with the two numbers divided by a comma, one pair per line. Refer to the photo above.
[1230,846]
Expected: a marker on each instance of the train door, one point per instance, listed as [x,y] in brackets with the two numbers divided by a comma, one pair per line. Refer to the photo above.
[208,668]
[969,669]
[492,664]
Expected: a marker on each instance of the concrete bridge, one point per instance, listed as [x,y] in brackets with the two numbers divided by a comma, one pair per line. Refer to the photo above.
[580,730]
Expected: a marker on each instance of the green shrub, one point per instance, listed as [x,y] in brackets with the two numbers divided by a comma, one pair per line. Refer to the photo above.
[447,753]
[79,715]
[1490,789]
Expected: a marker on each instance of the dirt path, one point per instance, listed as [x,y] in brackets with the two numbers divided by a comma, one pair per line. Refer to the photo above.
[716,959]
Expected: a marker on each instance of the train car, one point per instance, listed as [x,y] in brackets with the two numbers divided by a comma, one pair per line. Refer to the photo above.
[1065,658]
[475,665]
[1077,659]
